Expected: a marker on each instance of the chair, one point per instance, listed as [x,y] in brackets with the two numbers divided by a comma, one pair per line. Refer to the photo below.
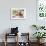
[25,36]
[14,32]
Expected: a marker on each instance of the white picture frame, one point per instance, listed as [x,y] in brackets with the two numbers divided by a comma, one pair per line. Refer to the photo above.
[41,9]
[18,13]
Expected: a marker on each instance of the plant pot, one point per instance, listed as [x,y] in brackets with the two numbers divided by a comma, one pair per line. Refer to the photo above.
[40,41]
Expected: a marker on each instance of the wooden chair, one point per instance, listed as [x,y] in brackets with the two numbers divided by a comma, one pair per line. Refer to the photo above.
[8,34]
[27,43]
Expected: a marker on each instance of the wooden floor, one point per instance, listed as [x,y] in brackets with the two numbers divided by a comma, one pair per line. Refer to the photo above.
[13,44]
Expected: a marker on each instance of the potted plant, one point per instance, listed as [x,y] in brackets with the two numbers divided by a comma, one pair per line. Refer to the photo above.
[39,35]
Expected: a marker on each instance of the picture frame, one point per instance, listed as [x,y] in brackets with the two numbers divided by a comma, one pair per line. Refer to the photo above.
[18,13]
[41,9]
[41,12]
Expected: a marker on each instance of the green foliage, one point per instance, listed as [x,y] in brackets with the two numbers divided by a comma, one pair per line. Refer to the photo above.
[37,28]
[39,35]
[41,14]
[34,25]
[42,27]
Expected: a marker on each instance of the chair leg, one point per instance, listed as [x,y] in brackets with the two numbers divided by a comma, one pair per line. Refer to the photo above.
[17,41]
[5,40]
[5,43]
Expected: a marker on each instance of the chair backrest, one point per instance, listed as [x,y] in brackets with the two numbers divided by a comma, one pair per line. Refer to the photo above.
[14,30]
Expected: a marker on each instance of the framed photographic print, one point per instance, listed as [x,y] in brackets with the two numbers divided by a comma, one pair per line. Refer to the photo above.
[41,12]
[41,9]
[18,13]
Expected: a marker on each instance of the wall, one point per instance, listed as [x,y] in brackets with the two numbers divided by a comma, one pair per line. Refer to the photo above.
[24,25]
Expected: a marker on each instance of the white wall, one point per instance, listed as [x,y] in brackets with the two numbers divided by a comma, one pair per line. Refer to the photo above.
[24,25]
